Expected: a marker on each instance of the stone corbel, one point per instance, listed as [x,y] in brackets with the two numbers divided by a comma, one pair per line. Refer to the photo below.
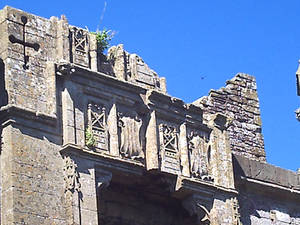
[199,206]
[64,69]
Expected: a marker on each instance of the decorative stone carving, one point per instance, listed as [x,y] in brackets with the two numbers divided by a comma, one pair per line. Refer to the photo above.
[273,215]
[199,155]
[169,152]
[97,126]
[132,68]
[196,205]
[236,213]
[140,71]
[72,184]
[80,46]
[130,136]
[64,69]
[71,175]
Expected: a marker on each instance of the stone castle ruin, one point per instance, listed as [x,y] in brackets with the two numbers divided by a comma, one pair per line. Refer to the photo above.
[88,139]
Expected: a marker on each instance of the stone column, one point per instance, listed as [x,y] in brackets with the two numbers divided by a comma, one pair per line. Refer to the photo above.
[112,122]
[151,143]
[183,147]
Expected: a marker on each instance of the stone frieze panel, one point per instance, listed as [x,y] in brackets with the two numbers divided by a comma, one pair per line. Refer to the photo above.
[199,154]
[131,134]
[96,132]
[169,155]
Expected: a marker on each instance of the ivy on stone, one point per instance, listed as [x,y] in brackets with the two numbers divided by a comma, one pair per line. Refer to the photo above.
[89,138]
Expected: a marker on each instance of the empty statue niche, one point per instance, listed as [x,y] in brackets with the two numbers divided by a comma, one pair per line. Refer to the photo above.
[141,201]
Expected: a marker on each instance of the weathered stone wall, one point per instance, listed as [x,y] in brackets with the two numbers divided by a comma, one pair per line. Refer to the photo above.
[77,125]
[34,94]
[35,163]
[239,101]
[30,159]
[259,209]
[267,194]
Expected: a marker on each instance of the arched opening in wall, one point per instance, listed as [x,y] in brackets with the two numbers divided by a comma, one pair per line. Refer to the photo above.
[140,204]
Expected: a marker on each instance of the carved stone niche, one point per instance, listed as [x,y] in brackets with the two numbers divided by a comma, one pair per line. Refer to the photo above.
[131,131]
[199,155]
[200,206]
[79,39]
[96,133]
[169,156]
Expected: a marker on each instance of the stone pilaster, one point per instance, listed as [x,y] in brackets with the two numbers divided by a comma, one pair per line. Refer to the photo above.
[68,117]
[63,42]
[220,152]
[93,52]
[183,147]
[151,143]
[113,130]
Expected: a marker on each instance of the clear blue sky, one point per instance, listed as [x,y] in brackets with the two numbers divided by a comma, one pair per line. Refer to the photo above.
[186,40]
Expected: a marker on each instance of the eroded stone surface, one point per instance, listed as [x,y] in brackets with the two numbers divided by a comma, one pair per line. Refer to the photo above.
[239,101]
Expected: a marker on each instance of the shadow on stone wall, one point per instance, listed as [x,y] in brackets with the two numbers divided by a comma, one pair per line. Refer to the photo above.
[3,92]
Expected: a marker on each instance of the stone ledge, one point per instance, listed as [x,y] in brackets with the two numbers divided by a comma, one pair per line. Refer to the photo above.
[10,110]
[265,173]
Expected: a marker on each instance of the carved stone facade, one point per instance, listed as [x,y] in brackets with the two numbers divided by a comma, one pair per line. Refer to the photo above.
[131,136]
[97,127]
[169,151]
[80,46]
[199,153]
[93,139]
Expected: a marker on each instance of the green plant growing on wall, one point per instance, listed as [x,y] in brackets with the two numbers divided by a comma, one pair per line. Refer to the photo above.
[89,138]
[103,38]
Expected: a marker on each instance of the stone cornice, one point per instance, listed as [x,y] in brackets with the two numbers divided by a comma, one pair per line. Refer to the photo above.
[11,112]
[179,186]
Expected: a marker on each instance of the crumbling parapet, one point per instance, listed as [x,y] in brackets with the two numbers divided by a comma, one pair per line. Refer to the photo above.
[239,101]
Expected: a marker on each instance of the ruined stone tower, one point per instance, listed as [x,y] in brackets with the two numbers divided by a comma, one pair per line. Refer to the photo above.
[94,139]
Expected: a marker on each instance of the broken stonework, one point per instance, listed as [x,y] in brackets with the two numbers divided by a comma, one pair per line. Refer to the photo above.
[92,139]
[239,101]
